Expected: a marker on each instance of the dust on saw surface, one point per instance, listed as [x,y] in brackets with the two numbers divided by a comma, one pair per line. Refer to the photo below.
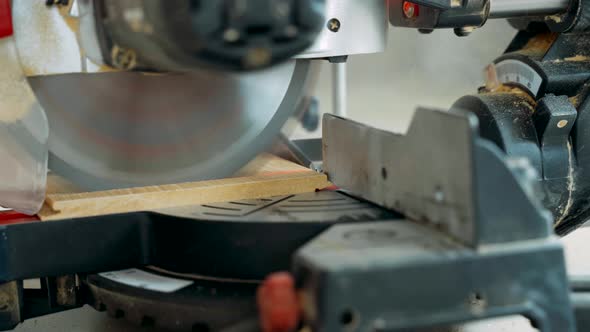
[265,176]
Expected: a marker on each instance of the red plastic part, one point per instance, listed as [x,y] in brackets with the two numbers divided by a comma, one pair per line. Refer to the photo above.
[411,10]
[277,304]
[5,19]
[331,188]
[12,217]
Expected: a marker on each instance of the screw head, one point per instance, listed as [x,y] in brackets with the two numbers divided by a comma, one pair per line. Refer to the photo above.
[439,195]
[257,57]
[561,124]
[231,35]
[334,25]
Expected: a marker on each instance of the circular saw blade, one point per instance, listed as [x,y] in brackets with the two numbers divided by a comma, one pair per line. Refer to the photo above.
[115,130]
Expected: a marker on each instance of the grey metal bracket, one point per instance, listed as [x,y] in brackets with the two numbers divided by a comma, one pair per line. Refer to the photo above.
[581,301]
[554,119]
[442,173]
[476,243]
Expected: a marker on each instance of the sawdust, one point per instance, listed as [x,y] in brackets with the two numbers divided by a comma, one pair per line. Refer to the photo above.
[577,58]
[529,101]
[554,18]
[13,105]
[571,187]
[48,35]
[28,72]
[540,43]
[71,22]
[107,69]
[491,75]
[575,100]
[46,39]
[15,94]
[49,40]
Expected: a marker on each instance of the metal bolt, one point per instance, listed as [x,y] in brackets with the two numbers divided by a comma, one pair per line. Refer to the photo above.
[123,58]
[334,25]
[257,57]
[231,35]
[439,195]
[561,124]
[464,31]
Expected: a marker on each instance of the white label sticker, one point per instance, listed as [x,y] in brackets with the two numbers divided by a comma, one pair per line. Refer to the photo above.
[146,280]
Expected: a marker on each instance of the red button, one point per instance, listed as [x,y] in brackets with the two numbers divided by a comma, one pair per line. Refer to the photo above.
[5,19]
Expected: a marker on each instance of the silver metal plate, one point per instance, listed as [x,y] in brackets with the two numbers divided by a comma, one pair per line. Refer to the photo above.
[519,73]
[362,28]
[325,206]
[113,130]
[425,175]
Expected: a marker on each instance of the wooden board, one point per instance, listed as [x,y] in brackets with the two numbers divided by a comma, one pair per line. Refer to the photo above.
[265,176]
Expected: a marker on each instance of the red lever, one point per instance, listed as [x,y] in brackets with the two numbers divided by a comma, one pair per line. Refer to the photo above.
[277,304]
[5,19]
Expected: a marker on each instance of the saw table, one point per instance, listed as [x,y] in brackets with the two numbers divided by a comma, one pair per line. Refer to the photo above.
[221,224]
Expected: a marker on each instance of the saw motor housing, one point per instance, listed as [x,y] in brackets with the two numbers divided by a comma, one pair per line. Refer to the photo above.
[180,35]
[156,92]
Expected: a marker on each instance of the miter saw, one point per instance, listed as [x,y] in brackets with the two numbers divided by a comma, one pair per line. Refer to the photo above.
[156,92]
[450,223]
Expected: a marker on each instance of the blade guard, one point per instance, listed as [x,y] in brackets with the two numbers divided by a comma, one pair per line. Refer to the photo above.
[24,133]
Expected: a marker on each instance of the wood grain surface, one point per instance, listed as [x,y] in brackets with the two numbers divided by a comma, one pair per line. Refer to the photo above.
[265,176]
